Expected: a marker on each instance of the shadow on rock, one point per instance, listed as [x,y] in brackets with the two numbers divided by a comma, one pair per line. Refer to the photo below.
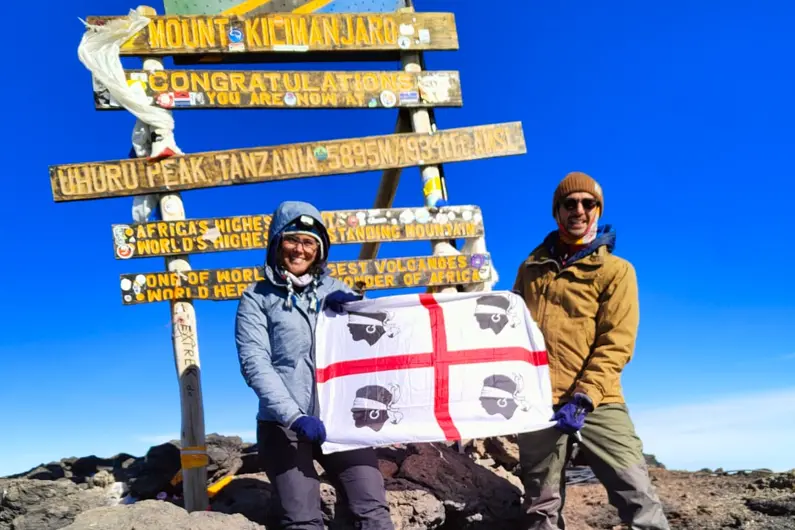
[474,497]
[249,496]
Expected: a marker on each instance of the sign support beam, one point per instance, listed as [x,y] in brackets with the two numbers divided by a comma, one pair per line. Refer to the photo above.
[421,123]
[185,340]
[387,188]
[432,178]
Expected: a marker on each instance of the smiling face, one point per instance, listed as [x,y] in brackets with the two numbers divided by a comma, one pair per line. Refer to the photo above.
[298,253]
[576,212]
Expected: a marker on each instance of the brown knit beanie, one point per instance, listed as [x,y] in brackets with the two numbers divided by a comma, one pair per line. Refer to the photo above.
[577,181]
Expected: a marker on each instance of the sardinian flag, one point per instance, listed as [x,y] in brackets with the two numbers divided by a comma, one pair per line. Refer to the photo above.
[429,368]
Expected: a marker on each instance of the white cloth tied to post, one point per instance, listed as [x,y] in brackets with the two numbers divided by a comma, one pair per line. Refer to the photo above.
[429,368]
[99,51]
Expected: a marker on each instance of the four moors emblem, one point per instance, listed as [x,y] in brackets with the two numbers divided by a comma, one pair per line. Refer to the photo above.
[377,404]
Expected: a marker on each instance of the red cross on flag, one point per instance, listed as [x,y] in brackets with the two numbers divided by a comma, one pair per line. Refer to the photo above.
[428,368]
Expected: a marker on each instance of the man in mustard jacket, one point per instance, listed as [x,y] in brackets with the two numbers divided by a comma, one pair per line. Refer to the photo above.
[585,301]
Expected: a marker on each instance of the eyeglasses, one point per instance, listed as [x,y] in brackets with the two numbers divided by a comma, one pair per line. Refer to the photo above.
[587,204]
[308,243]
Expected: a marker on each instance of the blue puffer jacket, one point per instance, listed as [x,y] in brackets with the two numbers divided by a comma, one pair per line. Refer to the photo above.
[275,340]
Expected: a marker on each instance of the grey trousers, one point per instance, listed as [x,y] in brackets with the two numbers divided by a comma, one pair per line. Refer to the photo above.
[615,454]
[289,465]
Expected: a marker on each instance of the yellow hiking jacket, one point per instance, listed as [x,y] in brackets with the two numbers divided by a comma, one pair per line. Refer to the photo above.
[588,312]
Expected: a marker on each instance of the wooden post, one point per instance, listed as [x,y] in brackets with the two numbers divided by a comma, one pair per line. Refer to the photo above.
[421,122]
[186,356]
[431,175]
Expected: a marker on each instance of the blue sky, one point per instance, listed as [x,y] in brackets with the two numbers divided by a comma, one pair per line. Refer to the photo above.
[682,110]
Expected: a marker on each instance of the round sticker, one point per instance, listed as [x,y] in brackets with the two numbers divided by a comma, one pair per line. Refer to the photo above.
[477,261]
[140,279]
[124,251]
[126,284]
[235,35]
[290,99]
[321,153]
[170,206]
[165,100]
[388,98]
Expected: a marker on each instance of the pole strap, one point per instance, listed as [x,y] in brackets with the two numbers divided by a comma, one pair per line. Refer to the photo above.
[195,456]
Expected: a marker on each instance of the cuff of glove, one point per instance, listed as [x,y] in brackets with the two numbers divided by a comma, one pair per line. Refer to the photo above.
[582,399]
[290,422]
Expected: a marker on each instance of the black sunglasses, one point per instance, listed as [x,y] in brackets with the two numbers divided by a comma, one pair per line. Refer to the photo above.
[588,204]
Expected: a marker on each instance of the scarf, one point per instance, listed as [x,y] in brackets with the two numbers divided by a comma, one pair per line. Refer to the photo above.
[586,238]
[302,281]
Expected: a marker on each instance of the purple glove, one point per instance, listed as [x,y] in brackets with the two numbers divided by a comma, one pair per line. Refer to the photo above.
[335,300]
[571,416]
[310,427]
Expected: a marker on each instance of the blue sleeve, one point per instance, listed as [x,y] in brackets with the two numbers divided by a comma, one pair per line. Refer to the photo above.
[342,286]
[254,355]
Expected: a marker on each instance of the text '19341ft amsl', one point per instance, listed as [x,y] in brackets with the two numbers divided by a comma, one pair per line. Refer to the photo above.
[119,178]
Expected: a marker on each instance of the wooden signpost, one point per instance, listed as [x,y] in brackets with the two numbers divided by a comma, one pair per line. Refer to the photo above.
[229,284]
[247,232]
[262,35]
[290,33]
[235,89]
[121,178]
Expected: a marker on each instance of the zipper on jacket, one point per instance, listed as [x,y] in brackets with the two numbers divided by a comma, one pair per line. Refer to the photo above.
[543,298]
[312,358]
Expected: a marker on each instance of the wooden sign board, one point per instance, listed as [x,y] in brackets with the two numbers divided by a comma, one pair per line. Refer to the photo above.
[247,232]
[251,7]
[127,177]
[229,284]
[232,89]
[291,33]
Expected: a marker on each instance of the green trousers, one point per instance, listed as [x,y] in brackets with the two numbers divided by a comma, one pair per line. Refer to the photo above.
[615,454]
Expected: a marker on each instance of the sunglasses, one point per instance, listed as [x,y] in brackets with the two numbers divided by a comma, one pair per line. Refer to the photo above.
[587,204]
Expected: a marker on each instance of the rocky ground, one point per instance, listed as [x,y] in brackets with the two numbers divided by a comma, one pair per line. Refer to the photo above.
[430,486]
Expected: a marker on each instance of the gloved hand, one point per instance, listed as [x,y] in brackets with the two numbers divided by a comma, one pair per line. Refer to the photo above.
[309,427]
[335,300]
[571,416]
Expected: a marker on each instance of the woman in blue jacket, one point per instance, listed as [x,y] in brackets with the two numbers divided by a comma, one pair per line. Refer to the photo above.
[275,336]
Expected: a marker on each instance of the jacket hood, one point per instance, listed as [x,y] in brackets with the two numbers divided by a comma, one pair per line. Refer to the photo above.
[286,213]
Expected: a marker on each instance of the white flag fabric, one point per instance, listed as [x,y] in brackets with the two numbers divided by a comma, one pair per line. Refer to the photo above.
[429,368]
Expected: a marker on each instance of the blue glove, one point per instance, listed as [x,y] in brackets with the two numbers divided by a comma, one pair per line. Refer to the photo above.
[571,416]
[335,300]
[309,427]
